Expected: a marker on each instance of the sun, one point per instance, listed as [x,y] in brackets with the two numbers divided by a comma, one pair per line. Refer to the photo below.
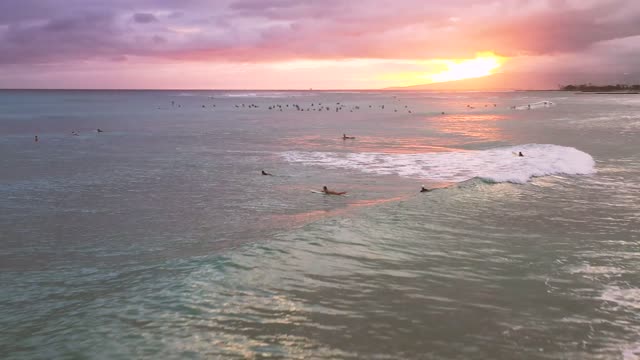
[443,70]
[484,64]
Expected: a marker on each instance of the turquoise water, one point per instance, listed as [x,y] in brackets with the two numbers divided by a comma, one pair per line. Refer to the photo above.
[159,238]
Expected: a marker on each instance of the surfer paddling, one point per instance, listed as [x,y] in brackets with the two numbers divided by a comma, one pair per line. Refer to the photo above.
[424,189]
[345,137]
[266,173]
[329,192]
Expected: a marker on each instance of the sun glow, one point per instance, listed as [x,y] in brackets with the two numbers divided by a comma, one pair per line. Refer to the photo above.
[484,64]
[432,71]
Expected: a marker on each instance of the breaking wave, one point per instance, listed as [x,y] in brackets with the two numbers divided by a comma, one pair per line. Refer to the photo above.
[493,165]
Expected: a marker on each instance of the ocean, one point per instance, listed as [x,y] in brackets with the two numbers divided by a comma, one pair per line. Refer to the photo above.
[158,237]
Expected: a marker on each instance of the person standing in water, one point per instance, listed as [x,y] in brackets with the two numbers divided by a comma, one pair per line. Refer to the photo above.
[35,139]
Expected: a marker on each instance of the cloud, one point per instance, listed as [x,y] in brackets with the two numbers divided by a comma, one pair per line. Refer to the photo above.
[144,18]
[61,39]
[159,39]
[42,31]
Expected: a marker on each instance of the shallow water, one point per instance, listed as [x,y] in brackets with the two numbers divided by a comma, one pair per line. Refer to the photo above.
[160,238]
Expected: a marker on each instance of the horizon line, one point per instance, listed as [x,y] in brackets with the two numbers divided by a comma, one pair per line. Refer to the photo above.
[248,89]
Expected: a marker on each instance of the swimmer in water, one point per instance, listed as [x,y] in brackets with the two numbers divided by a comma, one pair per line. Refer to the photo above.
[329,192]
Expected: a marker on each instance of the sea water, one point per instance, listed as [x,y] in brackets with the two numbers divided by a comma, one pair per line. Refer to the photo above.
[160,238]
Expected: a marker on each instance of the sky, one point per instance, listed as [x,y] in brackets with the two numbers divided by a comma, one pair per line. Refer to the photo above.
[296,44]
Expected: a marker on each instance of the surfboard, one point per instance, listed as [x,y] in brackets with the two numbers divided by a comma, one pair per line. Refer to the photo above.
[323,193]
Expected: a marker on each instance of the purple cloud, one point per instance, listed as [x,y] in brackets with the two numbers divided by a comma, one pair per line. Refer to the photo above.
[144,18]
[61,39]
[42,31]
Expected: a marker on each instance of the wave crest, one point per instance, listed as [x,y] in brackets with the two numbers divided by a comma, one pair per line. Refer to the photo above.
[493,165]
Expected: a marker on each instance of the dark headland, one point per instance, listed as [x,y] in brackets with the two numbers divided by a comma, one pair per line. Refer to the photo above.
[603,89]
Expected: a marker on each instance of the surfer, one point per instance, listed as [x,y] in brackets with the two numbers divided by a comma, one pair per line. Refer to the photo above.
[266,173]
[424,189]
[520,154]
[36,139]
[329,192]
[345,137]
[99,130]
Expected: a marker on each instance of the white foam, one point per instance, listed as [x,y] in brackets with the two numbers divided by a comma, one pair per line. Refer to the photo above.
[536,105]
[587,269]
[629,298]
[631,352]
[496,165]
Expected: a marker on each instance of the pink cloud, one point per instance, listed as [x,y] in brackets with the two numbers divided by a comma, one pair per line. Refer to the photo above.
[251,30]
[261,31]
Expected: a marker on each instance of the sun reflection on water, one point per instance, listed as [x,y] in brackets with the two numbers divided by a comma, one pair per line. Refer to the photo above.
[481,127]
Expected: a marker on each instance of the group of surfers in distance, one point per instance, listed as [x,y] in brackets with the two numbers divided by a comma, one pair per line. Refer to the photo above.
[74,133]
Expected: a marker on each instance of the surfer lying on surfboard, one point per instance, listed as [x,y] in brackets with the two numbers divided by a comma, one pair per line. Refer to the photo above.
[345,137]
[329,192]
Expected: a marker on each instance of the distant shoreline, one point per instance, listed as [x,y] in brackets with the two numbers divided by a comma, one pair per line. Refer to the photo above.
[600,92]
[609,92]
[602,89]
